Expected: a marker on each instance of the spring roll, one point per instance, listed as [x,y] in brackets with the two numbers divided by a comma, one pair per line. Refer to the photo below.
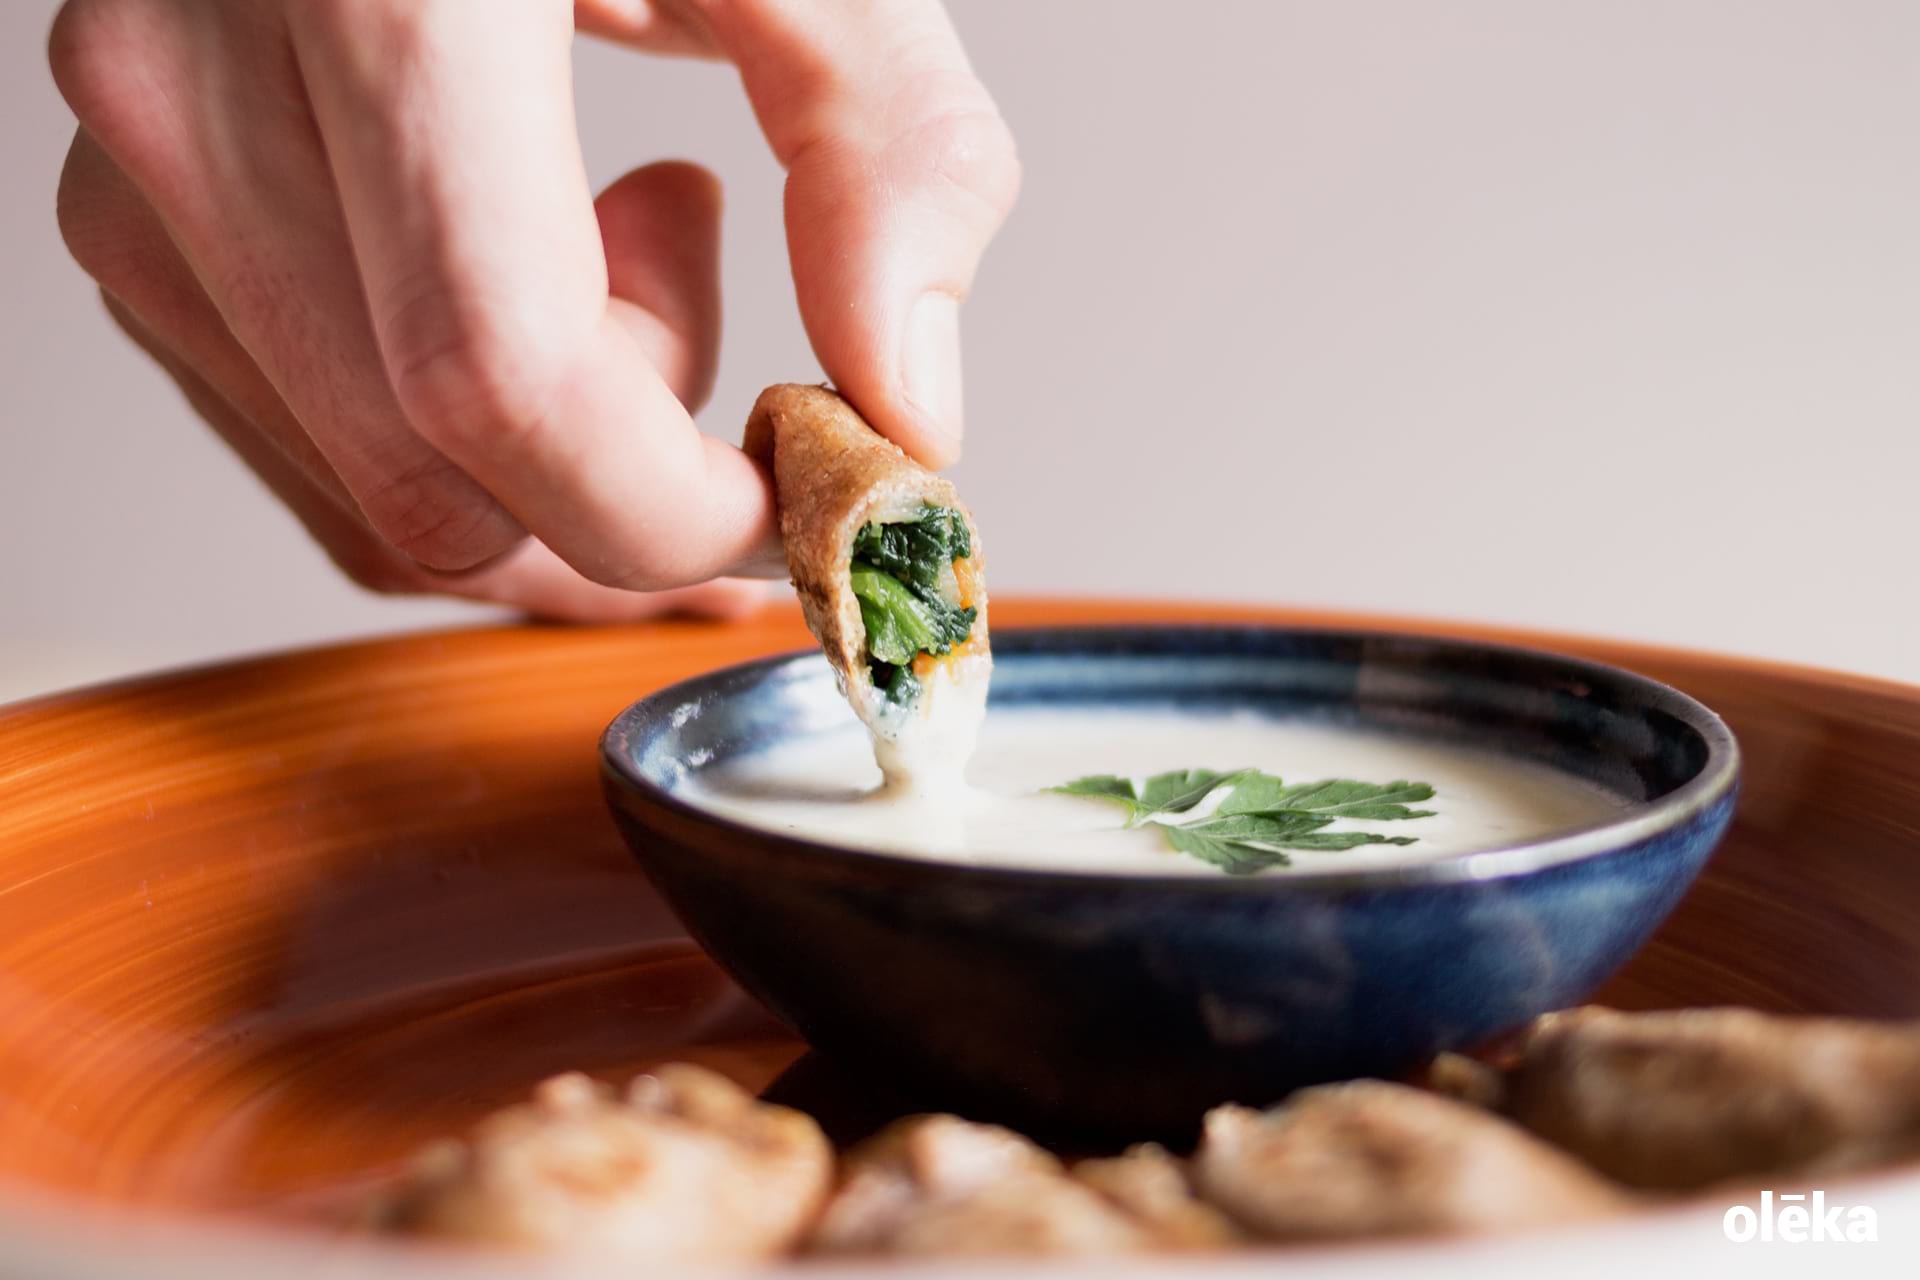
[937,1185]
[1684,1098]
[1367,1158]
[684,1166]
[887,564]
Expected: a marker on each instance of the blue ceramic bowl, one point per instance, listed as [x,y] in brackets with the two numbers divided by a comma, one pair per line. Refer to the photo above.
[1090,1001]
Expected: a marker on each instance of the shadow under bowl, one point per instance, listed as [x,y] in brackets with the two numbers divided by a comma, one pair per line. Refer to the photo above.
[1129,1004]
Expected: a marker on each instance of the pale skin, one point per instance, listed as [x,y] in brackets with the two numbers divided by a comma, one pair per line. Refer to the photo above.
[359,235]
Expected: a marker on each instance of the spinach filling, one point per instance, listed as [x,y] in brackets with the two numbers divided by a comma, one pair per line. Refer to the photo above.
[896,573]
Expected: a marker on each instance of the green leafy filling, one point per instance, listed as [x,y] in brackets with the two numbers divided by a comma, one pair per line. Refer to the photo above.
[916,551]
[1260,817]
[896,572]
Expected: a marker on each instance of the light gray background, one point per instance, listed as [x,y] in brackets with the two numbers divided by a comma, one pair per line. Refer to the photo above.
[1598,316]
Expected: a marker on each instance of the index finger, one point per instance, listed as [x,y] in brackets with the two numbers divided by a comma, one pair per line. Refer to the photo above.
[451,132]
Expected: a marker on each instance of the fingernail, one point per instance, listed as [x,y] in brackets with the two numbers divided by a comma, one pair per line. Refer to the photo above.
[932,365]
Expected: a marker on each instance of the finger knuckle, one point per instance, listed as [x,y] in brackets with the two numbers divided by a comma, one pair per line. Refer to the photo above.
[405,34]
[473,379]
[80,49]
[421,514]
[251,291]
[110,234]
[973,151]
[89,225]
[93,48]
[117,240]
[120,313]
[342,16]
[372,568]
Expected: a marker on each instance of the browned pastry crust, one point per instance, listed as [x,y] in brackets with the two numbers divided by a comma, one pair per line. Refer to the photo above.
[684,1166]
[936,1185]
[1155,1188]
[1686,1098]
[834,474]
[1368,1159]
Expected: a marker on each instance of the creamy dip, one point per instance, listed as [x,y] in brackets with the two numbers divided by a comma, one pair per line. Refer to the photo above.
[826,787]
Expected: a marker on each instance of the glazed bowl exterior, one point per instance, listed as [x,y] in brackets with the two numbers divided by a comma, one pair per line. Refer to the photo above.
[1084,1001]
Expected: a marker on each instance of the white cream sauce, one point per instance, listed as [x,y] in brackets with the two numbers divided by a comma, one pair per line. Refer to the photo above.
[826,787]
[924,748]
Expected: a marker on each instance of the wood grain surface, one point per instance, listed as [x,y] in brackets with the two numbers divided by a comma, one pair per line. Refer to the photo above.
[266,927]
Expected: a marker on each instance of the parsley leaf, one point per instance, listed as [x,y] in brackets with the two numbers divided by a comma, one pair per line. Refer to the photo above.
[1339,841]
[1269,828]
[1180,790]
[1234,857]
[1260,818]
[1337,798]
[1174,792]
[1242,843]
[1103,786]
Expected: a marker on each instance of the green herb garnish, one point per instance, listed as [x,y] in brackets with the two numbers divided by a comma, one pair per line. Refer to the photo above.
[897,574]
[1175,792]
[1342,798]
[1260,817]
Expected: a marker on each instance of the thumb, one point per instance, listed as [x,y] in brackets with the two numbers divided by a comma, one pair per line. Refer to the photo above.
[900,170]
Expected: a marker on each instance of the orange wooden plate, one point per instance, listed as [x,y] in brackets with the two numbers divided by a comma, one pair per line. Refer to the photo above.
[265,928]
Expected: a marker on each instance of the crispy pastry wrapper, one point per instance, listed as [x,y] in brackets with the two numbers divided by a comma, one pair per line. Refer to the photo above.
[1366,1159]
[684,1166]
[937,1185]
[1681,1099]
[833,475]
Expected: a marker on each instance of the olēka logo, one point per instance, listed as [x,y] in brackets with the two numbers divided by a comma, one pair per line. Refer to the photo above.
[1800,1219]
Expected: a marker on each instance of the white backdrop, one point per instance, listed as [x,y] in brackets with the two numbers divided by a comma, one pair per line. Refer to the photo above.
[1599,316]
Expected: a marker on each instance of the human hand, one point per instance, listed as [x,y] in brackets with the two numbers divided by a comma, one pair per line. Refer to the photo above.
[359,235]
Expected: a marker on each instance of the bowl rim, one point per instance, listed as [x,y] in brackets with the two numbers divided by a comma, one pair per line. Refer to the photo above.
[800,856]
